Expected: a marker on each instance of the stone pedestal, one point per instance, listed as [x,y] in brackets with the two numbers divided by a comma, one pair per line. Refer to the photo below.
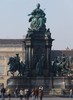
[59,84]
[38,53]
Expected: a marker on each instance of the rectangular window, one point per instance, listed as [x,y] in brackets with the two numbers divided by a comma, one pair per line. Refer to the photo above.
[1,69]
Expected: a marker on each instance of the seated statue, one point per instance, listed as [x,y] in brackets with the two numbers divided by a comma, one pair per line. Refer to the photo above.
[37,18]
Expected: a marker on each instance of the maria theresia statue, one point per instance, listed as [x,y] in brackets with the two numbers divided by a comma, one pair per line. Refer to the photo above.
[37,18]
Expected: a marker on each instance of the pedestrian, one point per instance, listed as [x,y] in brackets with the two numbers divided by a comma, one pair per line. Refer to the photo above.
[21,93]
[25,93]
[40,93]
[16,92]
[28,94]
[71,93]
[36,93]
[8,93]
[33,94]
[3,93]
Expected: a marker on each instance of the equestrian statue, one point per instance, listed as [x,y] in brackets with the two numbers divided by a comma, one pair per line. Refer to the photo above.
[15,65]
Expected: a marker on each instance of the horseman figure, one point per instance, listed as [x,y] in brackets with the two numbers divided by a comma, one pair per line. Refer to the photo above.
[17,58]
[61,66]
[15,65]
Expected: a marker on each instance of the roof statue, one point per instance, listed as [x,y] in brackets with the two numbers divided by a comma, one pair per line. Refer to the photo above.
[37,18]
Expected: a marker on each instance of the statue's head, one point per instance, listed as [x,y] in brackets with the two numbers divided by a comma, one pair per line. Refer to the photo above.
[38,5]
[17,54]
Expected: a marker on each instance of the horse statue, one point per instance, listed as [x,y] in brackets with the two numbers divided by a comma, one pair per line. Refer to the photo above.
[61,67]
[14,66]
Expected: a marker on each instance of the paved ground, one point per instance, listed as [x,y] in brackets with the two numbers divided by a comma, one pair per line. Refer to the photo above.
[47,98]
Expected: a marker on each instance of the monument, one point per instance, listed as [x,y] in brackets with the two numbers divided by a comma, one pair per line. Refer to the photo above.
[38,43]
[38,69]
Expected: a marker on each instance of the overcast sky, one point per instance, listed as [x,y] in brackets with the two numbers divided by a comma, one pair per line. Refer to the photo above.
[59,13]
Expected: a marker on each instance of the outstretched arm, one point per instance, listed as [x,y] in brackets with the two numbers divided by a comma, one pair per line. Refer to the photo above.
[29,14]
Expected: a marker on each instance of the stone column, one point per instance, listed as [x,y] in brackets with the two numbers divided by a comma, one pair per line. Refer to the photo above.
[32,57]
[29,56]
[28,53]
[48,54]
[47,59]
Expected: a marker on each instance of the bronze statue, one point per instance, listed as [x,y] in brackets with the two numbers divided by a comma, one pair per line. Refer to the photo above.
[39,66]
[15,65]
[37,18]
[17,58]
[61,66]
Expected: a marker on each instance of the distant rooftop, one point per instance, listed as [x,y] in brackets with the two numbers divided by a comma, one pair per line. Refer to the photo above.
[11,42]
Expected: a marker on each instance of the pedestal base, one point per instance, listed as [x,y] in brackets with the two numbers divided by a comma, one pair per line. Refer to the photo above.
[49,84]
